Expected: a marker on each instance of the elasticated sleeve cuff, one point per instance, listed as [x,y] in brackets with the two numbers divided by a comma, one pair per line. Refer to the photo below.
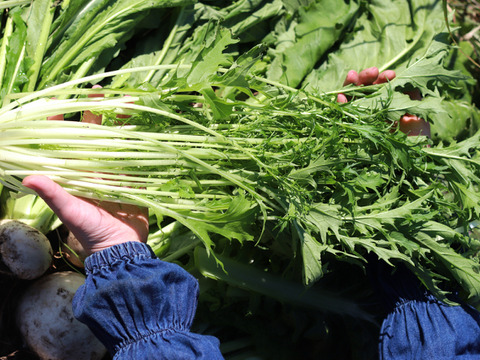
[141,307]
[419,326]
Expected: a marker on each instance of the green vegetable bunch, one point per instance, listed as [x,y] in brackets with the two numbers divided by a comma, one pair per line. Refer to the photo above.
[236,144]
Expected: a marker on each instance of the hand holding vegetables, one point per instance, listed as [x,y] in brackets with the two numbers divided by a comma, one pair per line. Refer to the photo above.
[134,301]
[97,225]
[409,124]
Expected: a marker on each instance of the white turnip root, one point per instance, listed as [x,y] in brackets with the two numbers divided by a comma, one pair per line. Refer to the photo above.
[24,250]
[46,322]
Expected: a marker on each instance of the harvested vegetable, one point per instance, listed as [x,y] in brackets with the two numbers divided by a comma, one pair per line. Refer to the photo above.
[45,319]
[220,168]
[24,250]
[237,145]
[30,210]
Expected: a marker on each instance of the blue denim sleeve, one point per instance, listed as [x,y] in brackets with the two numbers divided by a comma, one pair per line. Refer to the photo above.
[419,326]
[141,307]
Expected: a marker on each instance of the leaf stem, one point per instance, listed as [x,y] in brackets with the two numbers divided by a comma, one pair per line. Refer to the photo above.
[41,45]
[5,4]
[167,44]
[7,32]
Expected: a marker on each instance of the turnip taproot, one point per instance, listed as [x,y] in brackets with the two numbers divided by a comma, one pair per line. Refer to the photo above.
[46,322]
[24,250]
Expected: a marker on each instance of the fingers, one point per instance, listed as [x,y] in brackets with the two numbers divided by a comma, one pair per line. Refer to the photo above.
[370,76]
[342,99]
[352,78]
[55,117]
[414,94]
[96,226]
[81,217]
[385,76]
[367,76]
[412,125]
[60,201]
[88,116]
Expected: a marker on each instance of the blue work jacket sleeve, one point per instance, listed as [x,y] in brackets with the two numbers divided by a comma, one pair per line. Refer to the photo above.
[419,326]
[141,307]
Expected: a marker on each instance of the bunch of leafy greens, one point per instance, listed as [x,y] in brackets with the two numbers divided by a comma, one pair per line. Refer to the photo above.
[255,177]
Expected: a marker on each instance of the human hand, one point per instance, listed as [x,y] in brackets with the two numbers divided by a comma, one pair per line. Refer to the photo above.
[96,224]
[409,124]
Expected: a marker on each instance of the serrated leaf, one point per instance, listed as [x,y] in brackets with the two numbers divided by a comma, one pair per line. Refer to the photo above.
[465,271]
[312,258]
[322,218]
[220,108]
[378,219]
[210,59]
[237,75]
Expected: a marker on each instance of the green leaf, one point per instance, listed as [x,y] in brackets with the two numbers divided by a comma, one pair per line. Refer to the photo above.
[399,104]
[237,75]
[469,198]
[274,286]
[465,271]
[318,27]
[16,62]
[378,219]
[39,18]
[220,108]
[210,58]
[311,251]
[389,37]
[461,121]
[101,27]
[235,223]
[162,46]
[316,165]
[244,27]
[324,218]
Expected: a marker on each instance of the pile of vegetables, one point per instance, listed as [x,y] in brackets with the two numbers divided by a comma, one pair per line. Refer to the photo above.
[40,294]
[258,182]
[45,320]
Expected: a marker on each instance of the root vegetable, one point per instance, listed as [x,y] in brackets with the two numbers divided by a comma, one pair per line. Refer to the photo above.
[46,322]
[24,250]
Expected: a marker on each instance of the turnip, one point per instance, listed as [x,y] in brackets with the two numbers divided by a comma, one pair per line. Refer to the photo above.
[31,210]
[46,322]
[24,250]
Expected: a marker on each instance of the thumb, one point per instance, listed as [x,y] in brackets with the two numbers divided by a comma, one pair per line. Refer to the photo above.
[59,200]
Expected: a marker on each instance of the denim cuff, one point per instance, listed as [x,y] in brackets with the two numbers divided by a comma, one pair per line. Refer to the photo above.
[141,307]
[124,252]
